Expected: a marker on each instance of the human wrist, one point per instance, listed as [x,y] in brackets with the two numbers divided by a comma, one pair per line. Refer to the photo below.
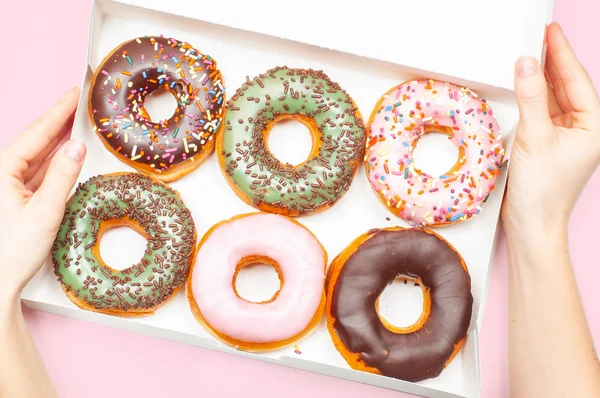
[10,304]
[532,223]
[536,236]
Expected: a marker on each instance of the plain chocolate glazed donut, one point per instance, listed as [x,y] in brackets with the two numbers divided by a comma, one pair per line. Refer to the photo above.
[358,276]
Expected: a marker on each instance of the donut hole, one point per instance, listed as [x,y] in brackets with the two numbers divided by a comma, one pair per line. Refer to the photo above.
[403,305]
[290,140]
[120,246]
[435,154]
[160,105]
[257,279]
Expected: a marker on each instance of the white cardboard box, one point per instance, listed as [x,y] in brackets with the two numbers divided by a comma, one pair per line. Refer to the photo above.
[367,48]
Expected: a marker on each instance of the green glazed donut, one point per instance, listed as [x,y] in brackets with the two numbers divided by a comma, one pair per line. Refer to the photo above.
[151,208]
[336,128]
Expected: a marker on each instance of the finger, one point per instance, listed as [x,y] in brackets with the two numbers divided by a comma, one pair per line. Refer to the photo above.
[57,140]
[48,152]
[58,180]
[578,86]
[33,141]
[532,95]
[553,105]
[34,182]
[557,85]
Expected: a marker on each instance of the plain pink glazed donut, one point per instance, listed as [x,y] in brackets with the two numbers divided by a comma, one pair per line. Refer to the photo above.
[400,118]
[300,261]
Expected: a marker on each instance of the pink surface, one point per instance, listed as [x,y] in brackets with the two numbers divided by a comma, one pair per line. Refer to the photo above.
[152,367]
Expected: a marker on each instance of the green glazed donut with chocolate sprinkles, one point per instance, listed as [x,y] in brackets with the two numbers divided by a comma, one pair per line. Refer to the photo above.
[336,128]
[151,208]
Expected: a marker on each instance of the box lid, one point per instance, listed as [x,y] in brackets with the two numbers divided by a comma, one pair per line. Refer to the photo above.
[473,40]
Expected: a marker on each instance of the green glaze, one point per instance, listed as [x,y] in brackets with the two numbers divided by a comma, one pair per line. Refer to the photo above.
[170,233]
[322,179]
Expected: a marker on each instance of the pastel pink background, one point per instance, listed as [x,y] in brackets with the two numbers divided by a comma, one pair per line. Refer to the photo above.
[44,52]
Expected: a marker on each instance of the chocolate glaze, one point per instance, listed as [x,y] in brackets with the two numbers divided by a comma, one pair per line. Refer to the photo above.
[136,69]
[388,254]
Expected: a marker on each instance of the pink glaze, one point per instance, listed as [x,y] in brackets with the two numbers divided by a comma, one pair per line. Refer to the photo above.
[401,119]
[301,259]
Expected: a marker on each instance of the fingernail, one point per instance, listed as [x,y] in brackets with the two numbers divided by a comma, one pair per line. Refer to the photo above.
[75,149]
[527,66]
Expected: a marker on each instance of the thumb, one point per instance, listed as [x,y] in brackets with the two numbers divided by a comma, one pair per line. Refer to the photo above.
[60,177]
[532,95]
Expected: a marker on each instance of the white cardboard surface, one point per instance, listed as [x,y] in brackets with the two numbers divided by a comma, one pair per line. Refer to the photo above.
[474,40]
[205,191]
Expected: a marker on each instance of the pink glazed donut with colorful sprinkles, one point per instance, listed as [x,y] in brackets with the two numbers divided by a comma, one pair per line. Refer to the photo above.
[399,119]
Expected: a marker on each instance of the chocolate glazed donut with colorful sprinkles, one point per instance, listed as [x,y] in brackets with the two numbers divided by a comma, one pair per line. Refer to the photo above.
[167,149]
[336,128]
[151,208]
